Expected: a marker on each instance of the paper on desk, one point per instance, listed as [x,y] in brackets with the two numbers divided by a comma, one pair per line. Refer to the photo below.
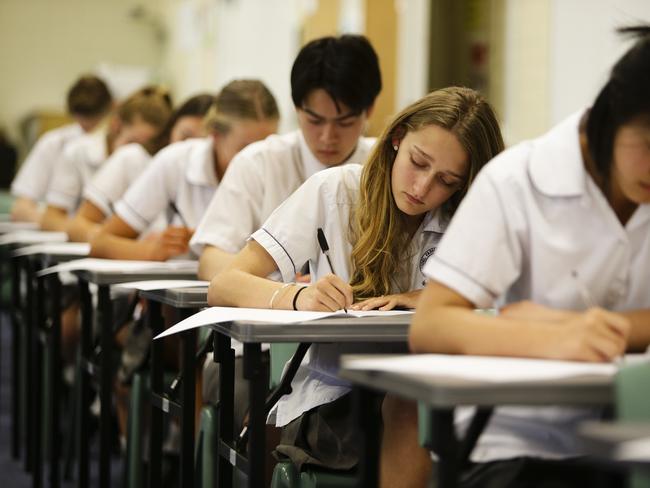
[162,284]
[636,450]
[124,266]
[32,237]
[215,315]
[16,226]
[483,368]
[59,248]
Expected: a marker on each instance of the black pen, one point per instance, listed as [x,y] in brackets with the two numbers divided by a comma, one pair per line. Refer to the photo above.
[174,208]
[322,242]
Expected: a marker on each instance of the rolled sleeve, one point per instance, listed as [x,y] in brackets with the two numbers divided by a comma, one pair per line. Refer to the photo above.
[280,255]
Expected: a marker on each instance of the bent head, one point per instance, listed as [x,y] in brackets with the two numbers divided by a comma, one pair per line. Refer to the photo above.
[243,112]
[618,125]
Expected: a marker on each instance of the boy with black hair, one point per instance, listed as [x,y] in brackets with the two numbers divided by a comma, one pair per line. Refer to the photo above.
[334,83]
[88,101]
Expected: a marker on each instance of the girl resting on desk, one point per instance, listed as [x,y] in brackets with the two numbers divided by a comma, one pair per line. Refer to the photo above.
[382,222]
[563,220]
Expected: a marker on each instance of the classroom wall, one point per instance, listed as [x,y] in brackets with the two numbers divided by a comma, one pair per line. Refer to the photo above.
[45,44]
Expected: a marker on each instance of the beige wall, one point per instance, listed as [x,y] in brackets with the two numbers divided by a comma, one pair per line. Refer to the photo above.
[45,45]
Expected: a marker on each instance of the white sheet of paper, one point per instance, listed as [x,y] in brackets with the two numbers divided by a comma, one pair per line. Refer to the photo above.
[483,368]
[60,248]
[16,226]
[33,237]
[162,284]
[215,315]
[636,450]
[124,266]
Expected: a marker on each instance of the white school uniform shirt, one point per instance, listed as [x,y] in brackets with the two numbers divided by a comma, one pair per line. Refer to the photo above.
[80,161]
[289,235]
[36,171]
[259,178]
[182,173]
[532,216]
[115,176]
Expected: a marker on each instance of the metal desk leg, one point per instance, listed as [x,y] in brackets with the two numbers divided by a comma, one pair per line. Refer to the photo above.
[55,372]
[29,371]
[155,319]
[37,324]
[365,403]
[254,373]
[105,309]
[16,407]
[85,357]
[225,356]
[188,393]
[445,445]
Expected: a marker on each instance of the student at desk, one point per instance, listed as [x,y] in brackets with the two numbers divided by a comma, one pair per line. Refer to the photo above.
[128,162]
[183,177]
[334,83]
[88,102]
[141,118]
[563,220]
[382,221]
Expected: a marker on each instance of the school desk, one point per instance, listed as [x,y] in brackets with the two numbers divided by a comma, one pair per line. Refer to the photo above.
[429,379]
[103,274]
[387,329]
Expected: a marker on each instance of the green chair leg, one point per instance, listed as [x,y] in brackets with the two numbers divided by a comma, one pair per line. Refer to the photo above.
[633,404]
[134,435]
[206,452]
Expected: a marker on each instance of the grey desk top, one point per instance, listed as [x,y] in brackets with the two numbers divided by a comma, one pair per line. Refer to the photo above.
[393,328]
[194,297]
[440,391]
[115,277]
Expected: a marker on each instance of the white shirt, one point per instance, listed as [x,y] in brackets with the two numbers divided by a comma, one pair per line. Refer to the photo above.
[260,178]
[289,236]
[116,175]
[182,173]
[80,161]
[36,171]
[532,216]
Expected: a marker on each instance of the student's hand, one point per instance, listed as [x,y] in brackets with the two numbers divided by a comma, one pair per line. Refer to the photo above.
[173,241]
[389,302]
[595,335]
[328,294]
[528,310]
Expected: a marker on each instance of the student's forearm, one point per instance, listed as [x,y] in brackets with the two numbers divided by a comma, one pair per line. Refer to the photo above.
[54,220]
[110,246]
[81,229]
[639,338]
[235,288]
[213,261]
[459,330]
[25,210]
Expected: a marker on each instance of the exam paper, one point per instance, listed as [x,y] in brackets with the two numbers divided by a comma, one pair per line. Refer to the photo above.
[215,315]
[32,237]
[162,284]
[59,248]
[124,266]
[15,226]
[482,368]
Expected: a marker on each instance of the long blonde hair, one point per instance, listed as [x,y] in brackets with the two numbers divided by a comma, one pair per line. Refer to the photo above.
[378,229]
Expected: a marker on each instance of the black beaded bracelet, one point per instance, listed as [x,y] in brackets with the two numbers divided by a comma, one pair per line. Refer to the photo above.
[295,297]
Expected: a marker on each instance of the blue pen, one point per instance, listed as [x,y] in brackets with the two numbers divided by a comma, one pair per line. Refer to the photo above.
[322,242]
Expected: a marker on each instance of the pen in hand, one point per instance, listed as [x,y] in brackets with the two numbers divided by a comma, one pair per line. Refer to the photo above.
[175,210]
[590,302]
[325,248]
